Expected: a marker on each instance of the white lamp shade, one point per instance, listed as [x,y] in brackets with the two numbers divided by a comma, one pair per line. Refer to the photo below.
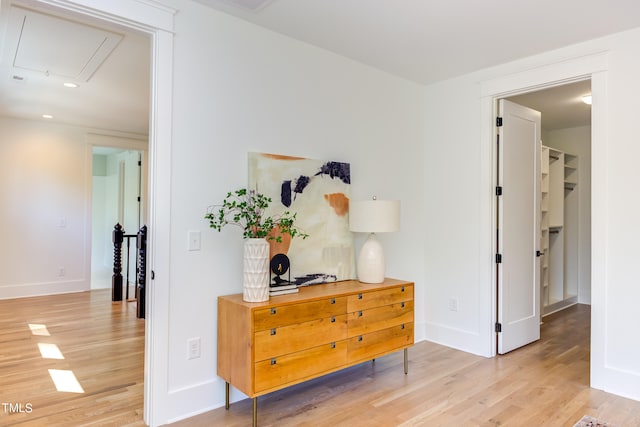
[374,216]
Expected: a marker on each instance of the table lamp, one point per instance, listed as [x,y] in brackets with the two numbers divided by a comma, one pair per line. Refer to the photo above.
[373,216]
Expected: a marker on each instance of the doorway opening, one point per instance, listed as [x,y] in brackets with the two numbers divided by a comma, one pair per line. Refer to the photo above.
[148,25]
[117,198]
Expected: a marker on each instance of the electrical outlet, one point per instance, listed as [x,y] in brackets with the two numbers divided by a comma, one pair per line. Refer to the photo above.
[453,304]
[193,348]
[194,240]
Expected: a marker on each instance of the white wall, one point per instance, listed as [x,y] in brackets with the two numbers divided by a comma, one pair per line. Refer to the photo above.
[459,252]
[577,141]
[240,88]
[455,218]
[46,195]
[44,192]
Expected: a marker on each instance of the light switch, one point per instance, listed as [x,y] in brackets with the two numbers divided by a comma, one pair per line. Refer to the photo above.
[194,240]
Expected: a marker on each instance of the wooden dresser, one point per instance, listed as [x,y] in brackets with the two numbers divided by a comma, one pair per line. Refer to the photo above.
[263,347]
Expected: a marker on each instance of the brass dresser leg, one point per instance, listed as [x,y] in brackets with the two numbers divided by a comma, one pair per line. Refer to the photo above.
[406,361]
[255,412]
[226,395]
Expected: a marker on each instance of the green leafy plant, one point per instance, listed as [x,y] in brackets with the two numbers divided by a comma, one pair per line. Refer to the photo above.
[246,209]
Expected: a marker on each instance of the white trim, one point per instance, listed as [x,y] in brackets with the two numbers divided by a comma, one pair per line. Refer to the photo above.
[156,20]
[157,339]
[145,15]
[546,76]
[45,288]
[124,142]
[589,66]
[599,233]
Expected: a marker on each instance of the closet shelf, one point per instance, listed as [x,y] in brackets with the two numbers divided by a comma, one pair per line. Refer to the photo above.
[558,198]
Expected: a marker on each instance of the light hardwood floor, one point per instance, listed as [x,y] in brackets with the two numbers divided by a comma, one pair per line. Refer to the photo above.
[102,344]
[543,384]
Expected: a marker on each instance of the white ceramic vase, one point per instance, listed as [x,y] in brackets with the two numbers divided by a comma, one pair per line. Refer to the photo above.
[255,286]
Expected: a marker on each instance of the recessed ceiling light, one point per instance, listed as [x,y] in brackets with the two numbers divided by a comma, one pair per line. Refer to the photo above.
[69,84]
[47,116]
[587,99]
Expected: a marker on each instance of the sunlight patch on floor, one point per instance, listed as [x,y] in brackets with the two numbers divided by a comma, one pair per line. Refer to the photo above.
[65,381]
[37,329]
[50,351]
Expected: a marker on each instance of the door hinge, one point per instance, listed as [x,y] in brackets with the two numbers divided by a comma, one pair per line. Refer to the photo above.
[139,162]
[138,199]
[499,190]
[498,258]
[498,327]
[539,253]
[498,121]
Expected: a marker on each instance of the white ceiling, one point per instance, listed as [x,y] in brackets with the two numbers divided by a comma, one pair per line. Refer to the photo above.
[40,50]
[561,106]
[432,40]
[420,40]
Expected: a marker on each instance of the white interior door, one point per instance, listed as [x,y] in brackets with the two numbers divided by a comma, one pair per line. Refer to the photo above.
[518,236]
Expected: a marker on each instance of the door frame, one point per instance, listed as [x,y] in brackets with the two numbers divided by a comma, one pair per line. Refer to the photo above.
[156,21]
[592,67]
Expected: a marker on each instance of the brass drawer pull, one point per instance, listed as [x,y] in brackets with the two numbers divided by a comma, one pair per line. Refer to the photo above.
[359,296]
[273,361]
[333,345]
[402,305]
[333,319]
[402,326]
[273,310]
[360,313]
[273,331]
[333,300]
[402,289]
[360,338]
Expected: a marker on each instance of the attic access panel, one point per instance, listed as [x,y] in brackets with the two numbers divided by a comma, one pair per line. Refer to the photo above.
[59,47]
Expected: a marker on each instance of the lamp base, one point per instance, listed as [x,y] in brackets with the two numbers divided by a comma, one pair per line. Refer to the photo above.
[371,261]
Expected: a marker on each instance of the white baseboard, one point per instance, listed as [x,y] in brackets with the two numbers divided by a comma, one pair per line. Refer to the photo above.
[468,341]
[40,289]
[193,400]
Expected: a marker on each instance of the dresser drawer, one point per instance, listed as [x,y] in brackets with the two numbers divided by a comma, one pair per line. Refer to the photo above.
[276,316]
[278,371]
[368,346]
[292,338]
[365,321]
[364,300]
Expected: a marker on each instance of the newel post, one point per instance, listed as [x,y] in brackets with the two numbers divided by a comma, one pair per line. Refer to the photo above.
[116,279]
[141,244]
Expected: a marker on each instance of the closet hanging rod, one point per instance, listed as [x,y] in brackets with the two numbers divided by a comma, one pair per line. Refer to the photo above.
[554,231]
[555,157]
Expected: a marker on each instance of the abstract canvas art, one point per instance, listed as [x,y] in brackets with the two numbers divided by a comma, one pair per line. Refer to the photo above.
[318,193]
